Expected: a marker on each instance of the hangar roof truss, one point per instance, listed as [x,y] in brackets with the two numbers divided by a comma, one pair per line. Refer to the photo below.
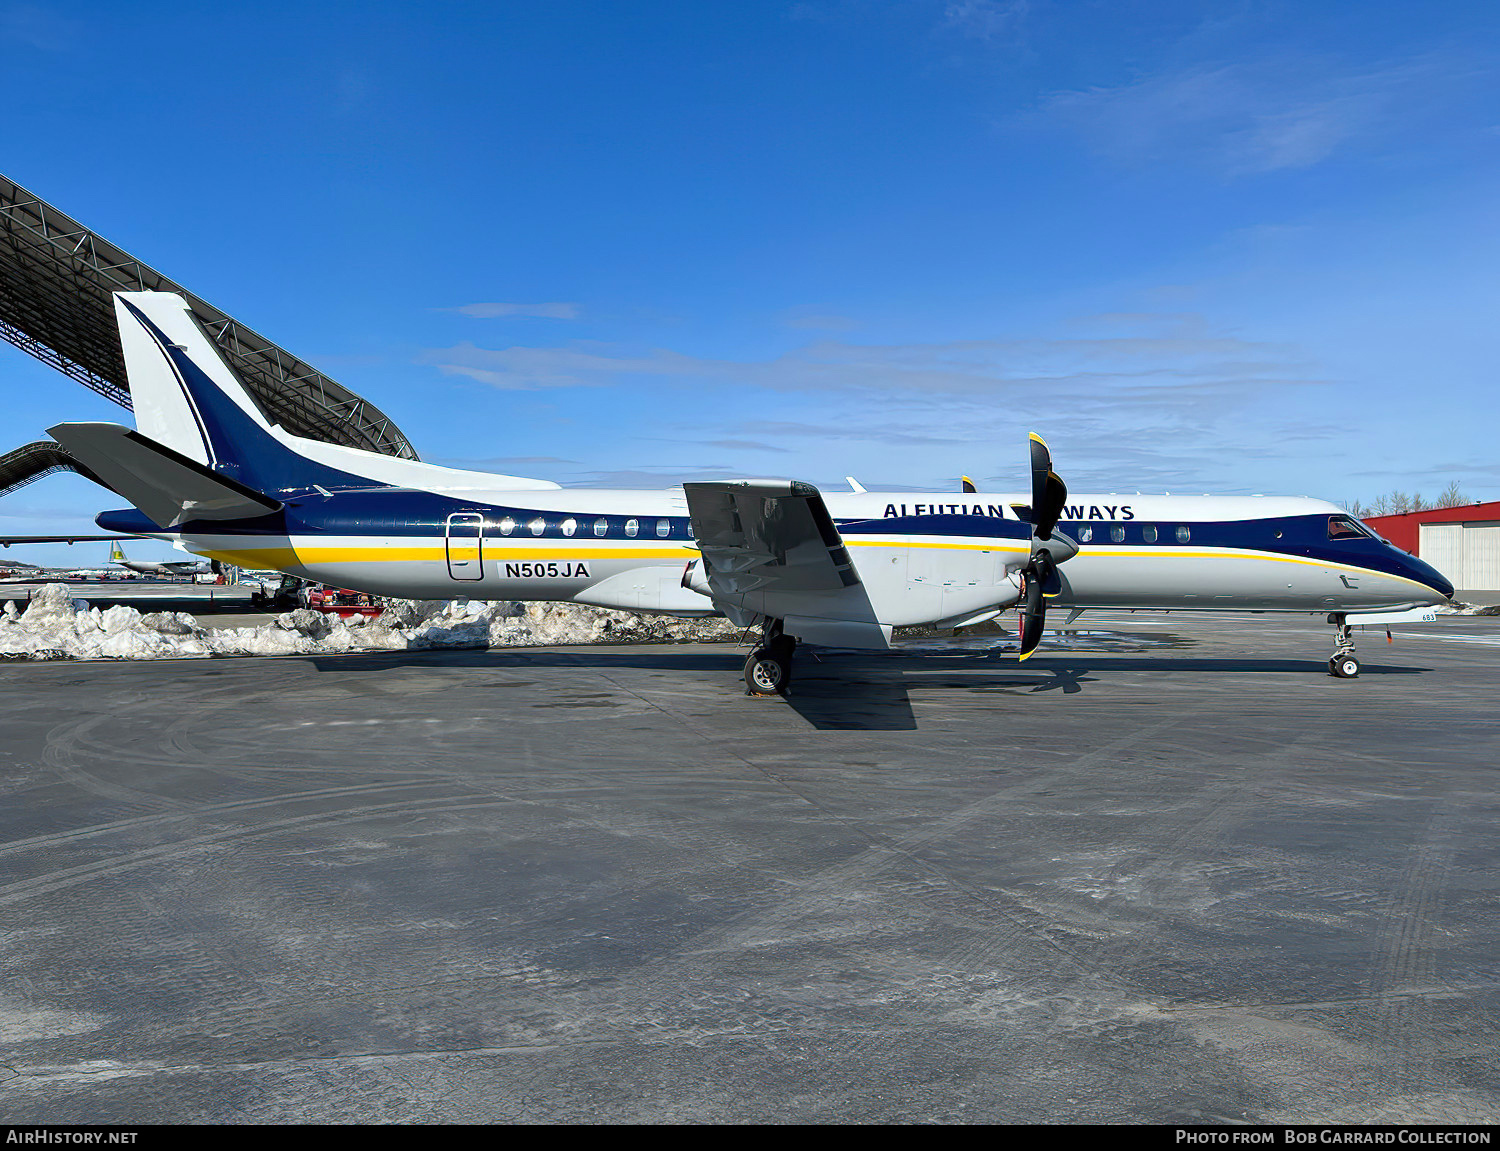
[56,277]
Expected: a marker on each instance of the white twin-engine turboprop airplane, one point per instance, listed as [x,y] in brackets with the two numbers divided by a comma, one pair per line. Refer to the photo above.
[206,470]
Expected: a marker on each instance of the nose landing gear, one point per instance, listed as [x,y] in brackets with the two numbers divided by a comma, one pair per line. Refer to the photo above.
[768,669]
[1343,664]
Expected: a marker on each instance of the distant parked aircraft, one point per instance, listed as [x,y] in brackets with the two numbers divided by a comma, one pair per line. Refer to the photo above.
[150,567]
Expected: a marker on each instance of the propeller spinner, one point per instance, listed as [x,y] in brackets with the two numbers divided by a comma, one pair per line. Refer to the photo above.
[1048,547]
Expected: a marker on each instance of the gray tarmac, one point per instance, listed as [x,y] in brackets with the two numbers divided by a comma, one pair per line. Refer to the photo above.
[1168,870]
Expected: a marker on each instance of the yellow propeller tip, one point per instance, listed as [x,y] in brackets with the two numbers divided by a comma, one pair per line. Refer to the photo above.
[1038,439]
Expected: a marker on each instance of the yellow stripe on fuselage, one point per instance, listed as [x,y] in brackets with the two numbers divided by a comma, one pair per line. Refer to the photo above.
[1098,551]
[280,556]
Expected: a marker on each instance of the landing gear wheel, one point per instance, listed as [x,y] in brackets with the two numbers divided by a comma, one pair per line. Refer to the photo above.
[1342,664]
[767,671]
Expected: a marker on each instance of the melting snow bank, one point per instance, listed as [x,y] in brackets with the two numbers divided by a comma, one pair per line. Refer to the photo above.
[56,626]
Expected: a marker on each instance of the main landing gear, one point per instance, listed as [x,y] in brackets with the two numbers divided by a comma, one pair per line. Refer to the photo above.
[1342,664]
[768,669]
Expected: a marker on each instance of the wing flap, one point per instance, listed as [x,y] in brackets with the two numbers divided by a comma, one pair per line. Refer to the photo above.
[757,534]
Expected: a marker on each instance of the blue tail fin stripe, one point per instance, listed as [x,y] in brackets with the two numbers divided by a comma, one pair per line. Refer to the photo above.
[238,447]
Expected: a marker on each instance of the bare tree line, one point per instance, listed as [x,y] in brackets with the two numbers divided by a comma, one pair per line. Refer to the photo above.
[1397,502]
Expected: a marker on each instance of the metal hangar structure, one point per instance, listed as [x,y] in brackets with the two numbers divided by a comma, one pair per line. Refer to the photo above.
[56,280]
[1461,542]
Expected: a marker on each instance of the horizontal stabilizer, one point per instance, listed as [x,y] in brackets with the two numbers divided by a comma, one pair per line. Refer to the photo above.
[168,487]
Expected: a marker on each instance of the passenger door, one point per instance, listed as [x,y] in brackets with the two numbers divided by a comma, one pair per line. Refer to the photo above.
[465,540]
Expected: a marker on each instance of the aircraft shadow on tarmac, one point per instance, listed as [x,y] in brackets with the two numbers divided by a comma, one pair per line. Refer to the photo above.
[854,691]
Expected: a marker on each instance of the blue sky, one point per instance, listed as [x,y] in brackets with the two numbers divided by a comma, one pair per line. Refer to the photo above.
[1222,247]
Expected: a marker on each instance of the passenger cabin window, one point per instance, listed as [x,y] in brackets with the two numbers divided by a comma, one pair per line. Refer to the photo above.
[663,528]
[1148,533]
[569,526]
[1344,528]
[1117,533]
[537,526]
[632,527]
[601,525]
[507,525]
[1085,534]
[1183,535]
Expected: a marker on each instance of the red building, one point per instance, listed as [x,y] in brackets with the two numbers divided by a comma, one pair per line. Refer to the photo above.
[1463,543]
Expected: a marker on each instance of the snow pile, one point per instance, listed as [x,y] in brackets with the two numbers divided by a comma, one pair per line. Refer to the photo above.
[55,626]
[513,623]
[1470,609]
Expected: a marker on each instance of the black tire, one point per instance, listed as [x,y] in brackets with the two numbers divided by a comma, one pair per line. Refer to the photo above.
[782,648]
[1346,667]
[766,673]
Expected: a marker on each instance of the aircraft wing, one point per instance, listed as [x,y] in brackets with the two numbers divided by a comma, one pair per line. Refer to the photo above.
[770,549]
[767,534]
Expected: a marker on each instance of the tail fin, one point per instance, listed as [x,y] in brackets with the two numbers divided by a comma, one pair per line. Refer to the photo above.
[152,326]
[116,553]
[188,400]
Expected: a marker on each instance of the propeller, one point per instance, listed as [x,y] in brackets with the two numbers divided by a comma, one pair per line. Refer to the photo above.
[1048,492]
[1048,547]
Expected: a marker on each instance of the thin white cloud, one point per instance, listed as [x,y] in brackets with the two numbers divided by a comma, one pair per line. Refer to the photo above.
[984,19]
[1257,116]
[1128,400]
[743,446]
[1141,399]
[512,382]
[553,311]
[490,463]
[36,26]
[665,476]
[1075,367]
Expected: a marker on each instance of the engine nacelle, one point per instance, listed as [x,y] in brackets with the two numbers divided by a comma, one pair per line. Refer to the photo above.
[693,578]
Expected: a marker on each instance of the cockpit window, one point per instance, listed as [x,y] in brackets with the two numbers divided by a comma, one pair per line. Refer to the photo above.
[1346,528]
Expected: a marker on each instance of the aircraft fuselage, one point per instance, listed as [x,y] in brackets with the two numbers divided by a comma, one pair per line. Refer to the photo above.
[924,557]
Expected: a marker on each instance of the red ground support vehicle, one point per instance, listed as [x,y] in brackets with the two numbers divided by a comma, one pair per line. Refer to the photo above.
[341,602]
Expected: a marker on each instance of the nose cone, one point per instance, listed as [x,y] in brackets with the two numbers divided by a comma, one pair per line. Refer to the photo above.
[1425,573]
